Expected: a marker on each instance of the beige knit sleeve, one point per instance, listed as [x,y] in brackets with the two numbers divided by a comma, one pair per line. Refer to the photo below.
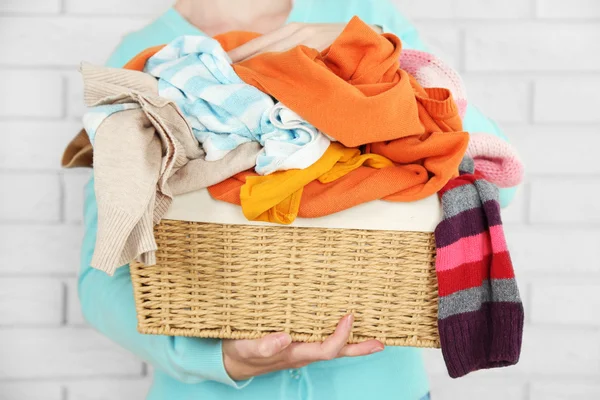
[127,162]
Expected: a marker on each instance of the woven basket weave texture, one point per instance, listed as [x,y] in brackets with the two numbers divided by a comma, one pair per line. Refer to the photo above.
[243,282]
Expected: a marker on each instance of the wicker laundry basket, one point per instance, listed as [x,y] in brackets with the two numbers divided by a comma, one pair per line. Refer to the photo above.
[245,281]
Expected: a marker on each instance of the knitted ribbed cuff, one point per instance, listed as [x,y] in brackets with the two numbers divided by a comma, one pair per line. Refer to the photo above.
[464,338]
[507,334]
[487,338]
[440,103]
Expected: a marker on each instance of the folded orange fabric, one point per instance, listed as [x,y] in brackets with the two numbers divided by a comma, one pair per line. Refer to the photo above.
[277,197]
[355,92]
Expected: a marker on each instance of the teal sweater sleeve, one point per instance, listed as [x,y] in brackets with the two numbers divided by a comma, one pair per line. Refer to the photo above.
[108,305]
[107,302]
[392,21]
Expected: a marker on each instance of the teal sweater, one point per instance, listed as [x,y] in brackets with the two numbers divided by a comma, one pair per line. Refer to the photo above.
[190,368]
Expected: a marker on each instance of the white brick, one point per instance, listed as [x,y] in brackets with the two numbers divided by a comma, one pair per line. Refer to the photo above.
[572,99]
[556,251]
[434,362]
[442,41]
[533,47]
[565,304]
[29,197]
[553,390]
[75,105]
[35,145]
[516,212]
[480,9]
[30,6]
[117,7]
[96,38]
[471,388]
[75,181]
[62,353]
[506,99]
[30,93]
[540,148]
[126,389]
[568,9]
[74,314]
[524,286]
[56,249]
[560,351]
[30,391]
[565,201]
[31,301]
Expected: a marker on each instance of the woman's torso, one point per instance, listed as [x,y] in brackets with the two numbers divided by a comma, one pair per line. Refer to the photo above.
[396,373]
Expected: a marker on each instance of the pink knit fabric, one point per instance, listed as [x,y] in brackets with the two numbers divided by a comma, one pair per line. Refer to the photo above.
[495,159]
[430,72]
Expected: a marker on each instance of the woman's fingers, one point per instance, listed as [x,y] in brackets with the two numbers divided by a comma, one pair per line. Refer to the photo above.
[246,358]
[331,347]
[327,350]
[361,349]
[265,347]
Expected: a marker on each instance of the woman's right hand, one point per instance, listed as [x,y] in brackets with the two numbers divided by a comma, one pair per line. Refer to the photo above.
[244,359]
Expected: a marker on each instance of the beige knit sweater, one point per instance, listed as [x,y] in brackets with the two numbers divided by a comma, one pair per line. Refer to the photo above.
[142,157]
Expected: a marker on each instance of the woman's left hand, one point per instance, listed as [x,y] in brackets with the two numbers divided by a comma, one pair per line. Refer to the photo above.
[317,36]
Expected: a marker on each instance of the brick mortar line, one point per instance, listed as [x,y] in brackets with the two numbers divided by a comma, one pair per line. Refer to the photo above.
[484,22]
[527,394]
[62,188]
[29,326]
[531,94]
[462,51]
[564,328]
[28,14]
[527,301]
[21,118]
[11,222]
[77,17]
[570,280]
[41,275]
[533,9]
[64,86]
[525,377]
[526,207]
[66,379]
[65,304]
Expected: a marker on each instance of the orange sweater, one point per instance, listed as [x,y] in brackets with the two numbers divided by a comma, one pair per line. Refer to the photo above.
[355,92]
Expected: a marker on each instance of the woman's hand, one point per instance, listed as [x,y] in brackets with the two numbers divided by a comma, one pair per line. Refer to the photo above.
[244,359]
[317,36]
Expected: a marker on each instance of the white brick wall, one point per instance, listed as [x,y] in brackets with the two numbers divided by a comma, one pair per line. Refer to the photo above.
[532,64]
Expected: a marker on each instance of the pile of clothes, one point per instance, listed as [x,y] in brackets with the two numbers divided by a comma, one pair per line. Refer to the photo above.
[304,133]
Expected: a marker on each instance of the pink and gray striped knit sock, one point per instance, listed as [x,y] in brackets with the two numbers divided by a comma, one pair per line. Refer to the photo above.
[480,317]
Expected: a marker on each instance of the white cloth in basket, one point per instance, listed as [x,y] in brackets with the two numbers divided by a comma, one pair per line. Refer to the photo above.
[416,216]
